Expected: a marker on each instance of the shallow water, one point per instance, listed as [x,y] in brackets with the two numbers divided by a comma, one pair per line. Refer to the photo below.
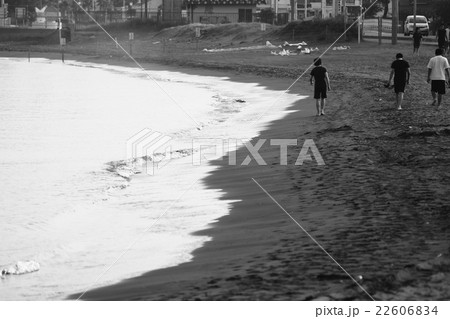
[61,204]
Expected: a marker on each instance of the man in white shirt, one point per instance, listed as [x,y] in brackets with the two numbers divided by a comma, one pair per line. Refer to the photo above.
[438,67]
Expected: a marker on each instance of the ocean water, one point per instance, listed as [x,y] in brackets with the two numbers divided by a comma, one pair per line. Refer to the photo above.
[63,201]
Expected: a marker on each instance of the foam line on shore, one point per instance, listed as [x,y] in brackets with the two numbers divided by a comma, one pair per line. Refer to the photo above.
[235,237]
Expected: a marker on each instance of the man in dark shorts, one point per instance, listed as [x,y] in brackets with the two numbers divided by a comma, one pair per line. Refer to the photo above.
[321,84]
[447,34]
[438,67]
[417,39]
[400,72]
[441,37]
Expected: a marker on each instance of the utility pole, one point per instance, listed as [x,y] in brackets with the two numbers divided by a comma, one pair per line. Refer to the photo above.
[359,24]
[295,10]
[146,9]
[276,11]
[306,9]
[415,13]
[345,13]
[394,21]
[59,22]
[293,14]
[322,7]
[344,9]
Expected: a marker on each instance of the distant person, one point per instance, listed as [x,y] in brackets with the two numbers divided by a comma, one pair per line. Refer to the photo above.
[441,37]
[321,84]
[447,34]
[401,73]
[417,40]
[438,67]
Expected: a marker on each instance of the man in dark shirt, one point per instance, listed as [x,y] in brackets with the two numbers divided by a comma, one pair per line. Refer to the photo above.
[401,73]
[417,39]
[441,37]
[447,34]
[321,84]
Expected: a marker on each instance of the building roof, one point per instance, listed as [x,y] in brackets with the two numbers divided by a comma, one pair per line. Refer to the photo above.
[226,2]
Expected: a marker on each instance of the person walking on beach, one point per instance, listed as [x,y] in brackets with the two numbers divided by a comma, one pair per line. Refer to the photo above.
[438,67]
[321,84]
[401,73]
[447,34]
[417,39]
[441,37]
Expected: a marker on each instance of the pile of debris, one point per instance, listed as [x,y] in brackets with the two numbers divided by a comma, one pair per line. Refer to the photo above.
[299,48]
[286,48]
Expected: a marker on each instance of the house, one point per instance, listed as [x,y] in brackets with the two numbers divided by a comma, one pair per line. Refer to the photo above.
[171,10]
[333,8]
[222,11]
[307,9]
[153,7]
[46,18]
[282,10]
[4,20]
[138,9]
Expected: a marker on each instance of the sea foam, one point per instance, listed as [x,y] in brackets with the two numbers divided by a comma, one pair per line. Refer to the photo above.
[21,267]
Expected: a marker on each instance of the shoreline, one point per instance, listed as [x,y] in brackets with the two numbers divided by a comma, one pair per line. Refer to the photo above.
[241,80]
[373,226]
[167,63]
[226,233]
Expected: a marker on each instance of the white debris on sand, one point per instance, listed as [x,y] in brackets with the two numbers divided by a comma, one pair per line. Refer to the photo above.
[300,50]
[255,47]
[287,44]
[21,267]
[306,51]
[342,47]
[282,52]
[285,48]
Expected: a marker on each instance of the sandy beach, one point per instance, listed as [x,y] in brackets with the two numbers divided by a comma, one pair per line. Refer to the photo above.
[80,238]
[379,206]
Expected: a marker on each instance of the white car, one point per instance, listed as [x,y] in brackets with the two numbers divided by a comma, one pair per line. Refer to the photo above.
[421,23]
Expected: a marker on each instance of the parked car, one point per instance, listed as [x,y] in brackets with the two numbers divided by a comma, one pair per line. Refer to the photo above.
[421,23]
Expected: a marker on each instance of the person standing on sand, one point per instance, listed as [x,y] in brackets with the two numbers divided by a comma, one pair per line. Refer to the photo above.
[321,84]
[437,68]
[441,37]
[401,73]
[447,34]
[417,39]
